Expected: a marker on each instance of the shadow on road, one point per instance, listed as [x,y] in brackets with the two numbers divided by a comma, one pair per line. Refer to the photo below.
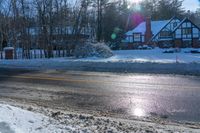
[6,73]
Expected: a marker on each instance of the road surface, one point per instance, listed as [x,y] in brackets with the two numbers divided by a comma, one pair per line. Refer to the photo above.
[108,94]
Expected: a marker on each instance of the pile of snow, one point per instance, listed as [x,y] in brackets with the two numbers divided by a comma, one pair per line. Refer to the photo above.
[84,50]
[102,50]
[92,50]
[155,56]
[144,47]
[123,60]
[172,50]
[101,53]
[17,120]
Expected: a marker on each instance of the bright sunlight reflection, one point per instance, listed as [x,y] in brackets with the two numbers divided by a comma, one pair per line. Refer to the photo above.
[138,112]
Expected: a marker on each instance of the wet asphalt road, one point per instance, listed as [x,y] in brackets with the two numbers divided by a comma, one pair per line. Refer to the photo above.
[108,94]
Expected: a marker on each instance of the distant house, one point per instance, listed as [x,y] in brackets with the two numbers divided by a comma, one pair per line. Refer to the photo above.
[60,36]
[68,30]
[166,33]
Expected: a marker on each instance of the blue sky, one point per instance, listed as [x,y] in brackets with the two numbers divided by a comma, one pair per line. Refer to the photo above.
[191,4]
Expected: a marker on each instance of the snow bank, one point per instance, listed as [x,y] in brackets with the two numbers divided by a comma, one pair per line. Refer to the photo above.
[145,61]
[149,56]
[16,120]
[129,56]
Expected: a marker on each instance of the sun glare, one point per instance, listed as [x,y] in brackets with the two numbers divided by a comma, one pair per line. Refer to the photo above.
[136,4]
[138,112]
[135,1]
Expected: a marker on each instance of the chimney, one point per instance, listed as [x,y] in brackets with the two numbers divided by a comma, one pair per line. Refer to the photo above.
[148,33]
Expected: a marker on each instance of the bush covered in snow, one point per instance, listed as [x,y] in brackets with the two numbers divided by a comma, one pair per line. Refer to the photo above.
[92,50]
[84,50]
[102,50]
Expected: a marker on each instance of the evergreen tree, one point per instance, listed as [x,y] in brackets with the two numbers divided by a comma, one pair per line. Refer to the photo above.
[162,9]
[169,8]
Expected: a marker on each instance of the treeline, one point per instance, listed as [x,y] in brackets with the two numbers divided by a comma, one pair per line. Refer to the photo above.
[51,25]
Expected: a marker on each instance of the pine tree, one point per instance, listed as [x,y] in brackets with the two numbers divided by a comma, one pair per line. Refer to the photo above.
[169,8]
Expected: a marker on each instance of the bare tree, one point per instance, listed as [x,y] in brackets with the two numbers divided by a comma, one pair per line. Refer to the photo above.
[4,25]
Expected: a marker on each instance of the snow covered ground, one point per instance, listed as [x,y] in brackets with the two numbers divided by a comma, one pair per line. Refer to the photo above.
[154,56]
[145,61]
[17,120]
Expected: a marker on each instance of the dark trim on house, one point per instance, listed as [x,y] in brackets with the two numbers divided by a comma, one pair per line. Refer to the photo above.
[184,38]
[184,20]
[140,37]
[165,26]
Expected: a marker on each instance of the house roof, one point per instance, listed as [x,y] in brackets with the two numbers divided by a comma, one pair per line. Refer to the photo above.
[156,26]
[164,26]
[184,20]
[179,24]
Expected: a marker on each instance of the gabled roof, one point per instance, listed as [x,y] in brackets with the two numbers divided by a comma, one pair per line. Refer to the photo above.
[179,24]
[156,26]
[164,26]
[184,20]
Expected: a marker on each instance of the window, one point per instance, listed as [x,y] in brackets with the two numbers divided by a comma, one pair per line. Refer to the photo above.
[137,37]
[186,31]
[165,34]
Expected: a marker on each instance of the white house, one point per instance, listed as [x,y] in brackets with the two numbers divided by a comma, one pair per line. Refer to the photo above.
[178,33]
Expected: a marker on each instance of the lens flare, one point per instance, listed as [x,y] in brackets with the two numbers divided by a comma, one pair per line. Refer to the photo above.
[113,36]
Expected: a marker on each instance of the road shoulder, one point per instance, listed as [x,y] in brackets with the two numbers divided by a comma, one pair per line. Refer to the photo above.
[119,67]
[89,123]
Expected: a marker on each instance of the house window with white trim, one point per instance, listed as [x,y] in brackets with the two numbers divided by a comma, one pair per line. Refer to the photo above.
[137,37]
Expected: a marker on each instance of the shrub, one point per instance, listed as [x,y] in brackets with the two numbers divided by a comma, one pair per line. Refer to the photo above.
[90,50]
[102,50]
[84,50]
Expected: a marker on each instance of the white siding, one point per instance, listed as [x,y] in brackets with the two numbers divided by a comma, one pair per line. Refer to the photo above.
[195,33]
[178,33]
[129,39]
[142,38]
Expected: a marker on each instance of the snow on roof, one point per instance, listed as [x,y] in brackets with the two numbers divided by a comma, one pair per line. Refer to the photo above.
[156,26]
[8,48]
